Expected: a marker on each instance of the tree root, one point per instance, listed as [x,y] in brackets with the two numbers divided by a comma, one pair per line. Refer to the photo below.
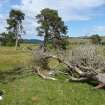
[37,71]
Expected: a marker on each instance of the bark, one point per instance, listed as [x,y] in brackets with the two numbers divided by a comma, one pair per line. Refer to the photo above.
[85,73]
[91,74]
[100,85]
[37,70]
[17,39]
[45,40]
[78,79]
[16,44]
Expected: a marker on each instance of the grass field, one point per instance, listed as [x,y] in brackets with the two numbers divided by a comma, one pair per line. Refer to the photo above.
[32,90]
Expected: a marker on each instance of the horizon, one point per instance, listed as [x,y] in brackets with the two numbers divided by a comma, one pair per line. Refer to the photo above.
[83,18]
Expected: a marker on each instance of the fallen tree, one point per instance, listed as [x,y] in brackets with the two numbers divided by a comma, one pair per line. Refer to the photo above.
[83,61]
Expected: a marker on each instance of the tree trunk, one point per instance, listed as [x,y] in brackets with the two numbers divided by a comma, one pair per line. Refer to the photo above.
[16,33]
[45,40]
[37,70]
[17,41]
[44,44]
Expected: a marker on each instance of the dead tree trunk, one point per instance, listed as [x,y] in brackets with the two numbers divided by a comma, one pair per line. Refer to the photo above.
[85,70]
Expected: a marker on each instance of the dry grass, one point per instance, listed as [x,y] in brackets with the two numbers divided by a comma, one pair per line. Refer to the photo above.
[9,57]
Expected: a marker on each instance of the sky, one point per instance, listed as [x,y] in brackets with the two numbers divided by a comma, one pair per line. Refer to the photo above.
[83,17]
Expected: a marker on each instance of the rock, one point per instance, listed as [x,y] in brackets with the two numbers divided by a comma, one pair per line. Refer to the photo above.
[1,98]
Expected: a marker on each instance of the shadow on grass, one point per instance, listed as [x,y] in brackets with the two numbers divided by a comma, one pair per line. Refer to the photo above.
[89,82]
[16,73]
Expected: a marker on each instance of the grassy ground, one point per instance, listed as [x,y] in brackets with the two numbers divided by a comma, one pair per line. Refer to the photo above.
[35,91]
[32,90]
[9,57]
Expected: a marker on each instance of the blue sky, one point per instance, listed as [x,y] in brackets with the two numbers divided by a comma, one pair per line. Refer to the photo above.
[83,17]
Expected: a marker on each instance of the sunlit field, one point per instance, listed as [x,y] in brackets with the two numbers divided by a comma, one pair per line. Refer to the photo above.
[21,88]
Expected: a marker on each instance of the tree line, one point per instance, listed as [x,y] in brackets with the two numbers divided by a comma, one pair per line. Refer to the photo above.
[51,27]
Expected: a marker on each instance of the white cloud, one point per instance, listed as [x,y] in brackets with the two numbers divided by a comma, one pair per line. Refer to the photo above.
[98,29]
[3,16]
[3,23]
[68,9]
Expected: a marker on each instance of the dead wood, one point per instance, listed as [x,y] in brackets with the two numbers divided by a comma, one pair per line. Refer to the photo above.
[38,71]
[83,61]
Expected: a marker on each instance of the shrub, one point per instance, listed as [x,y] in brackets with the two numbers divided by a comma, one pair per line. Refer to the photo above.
[95,39]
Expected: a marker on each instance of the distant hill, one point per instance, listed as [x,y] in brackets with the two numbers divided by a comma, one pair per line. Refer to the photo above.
[32,41]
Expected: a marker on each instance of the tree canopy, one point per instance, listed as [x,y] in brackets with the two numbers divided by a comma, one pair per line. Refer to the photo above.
[51,26]
[95,39]
[15,24]
[8,39]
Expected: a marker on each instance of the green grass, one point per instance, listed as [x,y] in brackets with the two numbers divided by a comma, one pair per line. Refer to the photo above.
[10,58]
[32,90]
